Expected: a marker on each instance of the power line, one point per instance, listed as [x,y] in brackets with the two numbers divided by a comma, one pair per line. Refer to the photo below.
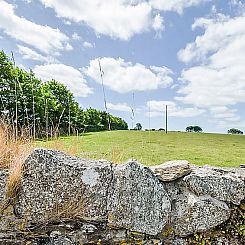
[103,88]
[16,101]
[133,112]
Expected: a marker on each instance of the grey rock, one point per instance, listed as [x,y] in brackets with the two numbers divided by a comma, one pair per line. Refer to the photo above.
[192,213]
[89,228]
[171,170]
[59,240]
[137,200]
[55,185]
[175,241]
[225,241]
[3,184]
[219,183]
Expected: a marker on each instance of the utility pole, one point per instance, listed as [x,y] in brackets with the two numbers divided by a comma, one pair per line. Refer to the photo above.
[149,117]
[132,110]
[33,108]
[46,117]
[166,119]
[105,104]
[16,101]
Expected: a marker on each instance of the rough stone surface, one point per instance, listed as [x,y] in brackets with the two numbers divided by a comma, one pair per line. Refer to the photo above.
[3,182]
[192,213]
[137,200]
[54,182]
[71,201]
[219,183]
[171,170]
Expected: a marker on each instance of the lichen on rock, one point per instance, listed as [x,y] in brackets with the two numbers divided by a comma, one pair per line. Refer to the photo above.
[137,200]
[68,200]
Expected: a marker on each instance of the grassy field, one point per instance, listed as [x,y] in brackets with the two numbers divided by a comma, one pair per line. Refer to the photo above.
[152,148]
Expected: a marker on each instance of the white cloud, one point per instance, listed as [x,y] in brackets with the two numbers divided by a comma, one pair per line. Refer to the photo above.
[175,5]
[117,19]
[119,107]
[223,112]
[27,1]
[67,22]
[158,23]
[30,54]
[238,6]
[88,45]
[44,38]
[75,36]
[123,77]
[157,108]
[232,123]
[218,79]
[67,75]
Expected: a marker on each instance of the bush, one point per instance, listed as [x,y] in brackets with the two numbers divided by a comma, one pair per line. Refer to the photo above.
[234,131]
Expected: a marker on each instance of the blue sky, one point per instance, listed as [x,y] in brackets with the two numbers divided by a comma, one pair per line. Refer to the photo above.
[188,54]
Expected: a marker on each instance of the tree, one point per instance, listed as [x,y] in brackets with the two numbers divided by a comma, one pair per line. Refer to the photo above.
[234,131]
[138,126]
[195,129]
[46,108]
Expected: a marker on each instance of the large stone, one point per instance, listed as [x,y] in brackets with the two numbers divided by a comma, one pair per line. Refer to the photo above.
[192,213]
[220,183]
[3,184]
[171,170]
[137,200]
[56,186]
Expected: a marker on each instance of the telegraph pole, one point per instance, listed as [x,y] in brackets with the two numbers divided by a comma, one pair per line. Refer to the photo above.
[103,88]
[166,119]
[16,101]
[33,108]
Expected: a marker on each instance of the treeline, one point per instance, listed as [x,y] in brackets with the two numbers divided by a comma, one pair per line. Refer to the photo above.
[48,108]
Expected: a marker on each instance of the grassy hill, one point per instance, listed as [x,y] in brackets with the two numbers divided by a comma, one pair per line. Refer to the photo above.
[154,147]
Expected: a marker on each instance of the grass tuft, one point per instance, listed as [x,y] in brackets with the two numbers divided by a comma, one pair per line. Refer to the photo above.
[13,151]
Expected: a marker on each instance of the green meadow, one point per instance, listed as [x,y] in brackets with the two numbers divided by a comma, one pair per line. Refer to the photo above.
[155,147]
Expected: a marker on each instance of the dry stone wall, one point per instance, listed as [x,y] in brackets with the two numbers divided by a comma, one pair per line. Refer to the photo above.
[68,200]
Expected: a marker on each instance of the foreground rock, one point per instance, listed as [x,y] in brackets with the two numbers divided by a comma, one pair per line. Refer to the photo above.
[171,170]
[126,196]
[55,185]
[192,213]
[219,183]
[137,201]
[67,200]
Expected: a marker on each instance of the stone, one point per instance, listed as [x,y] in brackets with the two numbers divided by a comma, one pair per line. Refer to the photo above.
[219,183]
[3,184]
[171,170]
[192,213]
[137,200]
[55,186]
[175,241]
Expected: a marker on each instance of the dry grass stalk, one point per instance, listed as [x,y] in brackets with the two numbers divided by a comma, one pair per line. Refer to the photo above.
[72,148]
[13,152]
[72,209]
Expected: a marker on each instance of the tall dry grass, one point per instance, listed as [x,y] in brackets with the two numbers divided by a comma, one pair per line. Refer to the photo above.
[14,148]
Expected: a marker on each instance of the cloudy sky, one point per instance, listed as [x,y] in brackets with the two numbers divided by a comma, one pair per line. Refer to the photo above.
[188,54]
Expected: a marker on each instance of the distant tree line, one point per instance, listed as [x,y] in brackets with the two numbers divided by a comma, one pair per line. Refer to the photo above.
[46,107]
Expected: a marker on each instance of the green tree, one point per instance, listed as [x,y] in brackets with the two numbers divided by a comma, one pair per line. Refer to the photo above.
[195,129]
[47,108]
[234,131]
[138,126]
